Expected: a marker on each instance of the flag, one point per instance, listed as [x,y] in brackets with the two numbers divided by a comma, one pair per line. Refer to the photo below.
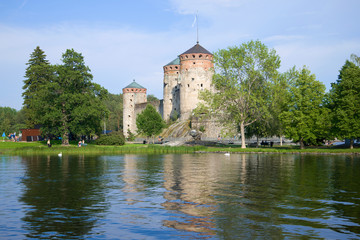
[194,21]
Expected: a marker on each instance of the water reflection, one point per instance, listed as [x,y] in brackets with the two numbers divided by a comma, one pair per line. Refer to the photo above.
[65,196]
[180,196]
[267,196]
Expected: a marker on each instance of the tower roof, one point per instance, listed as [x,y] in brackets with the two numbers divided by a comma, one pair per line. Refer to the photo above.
[197,49]
[176,61]
[134,85]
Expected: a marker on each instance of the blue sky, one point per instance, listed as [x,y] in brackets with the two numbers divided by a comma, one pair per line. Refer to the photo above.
[126,40]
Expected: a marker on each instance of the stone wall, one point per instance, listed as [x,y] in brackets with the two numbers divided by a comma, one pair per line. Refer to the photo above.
[212,127]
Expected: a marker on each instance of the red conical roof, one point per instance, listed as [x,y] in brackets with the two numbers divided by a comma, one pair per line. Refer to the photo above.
[197,49]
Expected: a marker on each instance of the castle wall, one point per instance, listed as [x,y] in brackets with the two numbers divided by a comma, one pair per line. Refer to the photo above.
[196,75]
[131,97]
[171,99]
[211,126]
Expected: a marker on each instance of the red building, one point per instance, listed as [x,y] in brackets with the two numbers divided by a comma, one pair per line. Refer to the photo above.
[31,135]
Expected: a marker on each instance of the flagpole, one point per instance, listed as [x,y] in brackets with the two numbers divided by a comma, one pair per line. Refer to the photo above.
[197,28]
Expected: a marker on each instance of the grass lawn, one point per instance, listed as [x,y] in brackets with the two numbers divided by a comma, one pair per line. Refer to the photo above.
[19,148]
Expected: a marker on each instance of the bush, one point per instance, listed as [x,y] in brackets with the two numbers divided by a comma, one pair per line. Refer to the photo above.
[115,138]
[131,136]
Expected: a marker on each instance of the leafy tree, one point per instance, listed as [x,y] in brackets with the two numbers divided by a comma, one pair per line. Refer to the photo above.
[279,102]
[241,78]
[38,72]
[152,98]
[149,122]
[345,102]
[307,120]
[71,102]
[355,59]
[11,120]
[114,105]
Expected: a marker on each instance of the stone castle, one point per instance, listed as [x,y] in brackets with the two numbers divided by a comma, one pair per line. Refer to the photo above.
[184,78]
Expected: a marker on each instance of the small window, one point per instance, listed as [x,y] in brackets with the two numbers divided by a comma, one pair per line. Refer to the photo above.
[188,85]
[192,79]
[193,62]
[129,116]
[176,67]
[200,56]
[186,56]
[170,67]
[130,99]
[128,125]
[201,85]
[193,56]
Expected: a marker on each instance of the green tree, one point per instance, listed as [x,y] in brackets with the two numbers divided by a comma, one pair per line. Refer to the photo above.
[307,120]
[279,102]
[345,103]
[149,122]
[71,102]
[38,72]
[241,78]
[11,120]
[355,59]
[114,104]
[152,98]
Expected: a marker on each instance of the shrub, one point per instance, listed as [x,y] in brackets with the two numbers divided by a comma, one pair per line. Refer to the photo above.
[115,138]
[131,136]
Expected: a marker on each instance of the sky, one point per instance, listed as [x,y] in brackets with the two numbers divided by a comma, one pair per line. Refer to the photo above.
[126,40]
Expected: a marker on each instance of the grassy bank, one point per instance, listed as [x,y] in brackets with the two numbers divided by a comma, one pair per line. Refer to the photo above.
[21,148]
[282,149]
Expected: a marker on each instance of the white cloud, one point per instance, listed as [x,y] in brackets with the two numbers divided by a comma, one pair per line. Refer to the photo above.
[115,56]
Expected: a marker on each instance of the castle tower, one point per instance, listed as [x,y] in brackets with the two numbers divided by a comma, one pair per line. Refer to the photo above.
[133,94]
[171,90]
[196,71]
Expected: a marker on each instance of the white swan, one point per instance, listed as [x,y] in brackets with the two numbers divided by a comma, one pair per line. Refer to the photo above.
[60,154]
[227,154]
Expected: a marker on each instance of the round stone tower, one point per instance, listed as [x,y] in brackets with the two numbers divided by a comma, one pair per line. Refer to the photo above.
[196,71]
[171,89]
[133,94]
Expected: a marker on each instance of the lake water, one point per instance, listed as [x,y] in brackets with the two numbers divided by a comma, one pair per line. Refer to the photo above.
[180,196]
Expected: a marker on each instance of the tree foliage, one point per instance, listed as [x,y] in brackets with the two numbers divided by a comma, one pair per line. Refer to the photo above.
[68,102]
[149,122]
[38,73]
[114,105]
[307,120]
[114,138]
[345,102]
[242,82]
[11,120]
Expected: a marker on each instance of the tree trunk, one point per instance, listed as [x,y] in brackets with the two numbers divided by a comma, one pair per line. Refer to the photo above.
[302,144]
[351,143]
[242,131]
[65,135]
[65,139]
[281,140]
[257,141]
